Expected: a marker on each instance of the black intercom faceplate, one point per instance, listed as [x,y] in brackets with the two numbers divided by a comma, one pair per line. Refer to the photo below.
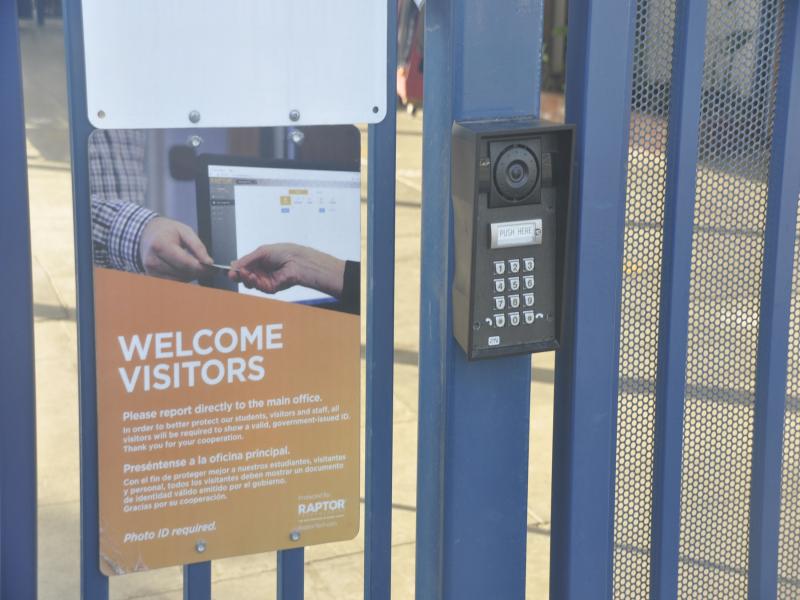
[511,191]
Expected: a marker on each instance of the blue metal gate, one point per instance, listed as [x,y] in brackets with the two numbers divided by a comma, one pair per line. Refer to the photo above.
[676,469]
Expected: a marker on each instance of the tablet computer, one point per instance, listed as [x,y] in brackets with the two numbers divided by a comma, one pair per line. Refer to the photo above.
[244,203]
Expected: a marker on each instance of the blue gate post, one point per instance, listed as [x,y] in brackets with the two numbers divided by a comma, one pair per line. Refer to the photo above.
[380,336]
[94,585]
[773,340]
[682,155]
[599,70]
[482,60]
[17,401]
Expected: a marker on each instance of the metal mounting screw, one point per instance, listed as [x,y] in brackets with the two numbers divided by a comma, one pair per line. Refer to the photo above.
[294,115]
[194,116]
[101,114]
[297,136]
[195,141]
[200,546]
[295,536]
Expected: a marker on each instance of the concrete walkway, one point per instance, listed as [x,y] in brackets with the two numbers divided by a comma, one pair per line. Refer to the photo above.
[333,571]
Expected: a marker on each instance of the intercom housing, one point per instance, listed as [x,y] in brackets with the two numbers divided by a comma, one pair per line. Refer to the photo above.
[511,190]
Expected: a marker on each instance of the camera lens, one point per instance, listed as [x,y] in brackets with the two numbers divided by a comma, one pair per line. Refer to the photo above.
[516,173]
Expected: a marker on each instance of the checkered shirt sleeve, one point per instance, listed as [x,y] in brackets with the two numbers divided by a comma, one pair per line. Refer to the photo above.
[118,188]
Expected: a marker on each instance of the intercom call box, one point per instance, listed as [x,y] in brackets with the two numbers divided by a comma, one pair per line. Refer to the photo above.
[511,190]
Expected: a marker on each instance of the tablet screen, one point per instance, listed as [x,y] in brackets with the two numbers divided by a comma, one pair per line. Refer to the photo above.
[251,206]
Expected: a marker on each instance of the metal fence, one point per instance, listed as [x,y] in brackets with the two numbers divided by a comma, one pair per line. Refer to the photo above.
[676,444]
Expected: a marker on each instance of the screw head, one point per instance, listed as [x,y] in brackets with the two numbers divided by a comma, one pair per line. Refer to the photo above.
[195,141]
[294,115]
[295,536]
[200,546]
[101,114]
[297,136]
[194,116]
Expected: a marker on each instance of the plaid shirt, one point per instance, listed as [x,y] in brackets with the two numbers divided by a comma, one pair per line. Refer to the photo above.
[118,188]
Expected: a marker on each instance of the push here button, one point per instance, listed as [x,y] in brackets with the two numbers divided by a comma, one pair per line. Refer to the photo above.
[516,233]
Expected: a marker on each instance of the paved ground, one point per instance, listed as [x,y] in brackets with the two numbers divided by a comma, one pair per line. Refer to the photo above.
[333,571]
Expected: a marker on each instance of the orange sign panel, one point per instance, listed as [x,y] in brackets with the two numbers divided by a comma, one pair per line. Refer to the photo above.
[228,424]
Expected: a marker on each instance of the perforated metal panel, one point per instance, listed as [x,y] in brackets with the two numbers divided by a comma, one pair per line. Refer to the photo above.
[789,549]
[644,214]
[741,54]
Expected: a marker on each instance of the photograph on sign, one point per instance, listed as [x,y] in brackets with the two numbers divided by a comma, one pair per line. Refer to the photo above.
[240,63]
[227,334]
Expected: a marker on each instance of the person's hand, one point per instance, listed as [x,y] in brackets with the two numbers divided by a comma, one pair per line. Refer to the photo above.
[277,267]
[172,250]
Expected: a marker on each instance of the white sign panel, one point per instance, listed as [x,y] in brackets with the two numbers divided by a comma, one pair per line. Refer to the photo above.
[234,63]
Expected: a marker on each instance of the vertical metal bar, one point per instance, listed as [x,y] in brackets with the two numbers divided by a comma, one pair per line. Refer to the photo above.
[17,401]
[94,585]
[599,71]
[290,574]
[197,581]
[380,336]
[682,156]
[773,339]
[482,60]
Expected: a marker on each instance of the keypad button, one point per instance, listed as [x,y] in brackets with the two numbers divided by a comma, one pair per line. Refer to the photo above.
[499,285]
[499,320]
[513,283]
[513,301]
[530,318]
[528,300]
[500,267]
[500,302]
[513,318]
[513,266]
[529,265]
[528,282]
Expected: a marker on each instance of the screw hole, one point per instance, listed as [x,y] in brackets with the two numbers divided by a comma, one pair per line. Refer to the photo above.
[101,114]
[375,109]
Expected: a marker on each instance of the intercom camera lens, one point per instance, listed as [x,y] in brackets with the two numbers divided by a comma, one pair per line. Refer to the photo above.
[516,172]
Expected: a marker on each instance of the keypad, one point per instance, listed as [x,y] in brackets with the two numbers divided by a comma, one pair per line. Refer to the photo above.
[528,300]
[510,278]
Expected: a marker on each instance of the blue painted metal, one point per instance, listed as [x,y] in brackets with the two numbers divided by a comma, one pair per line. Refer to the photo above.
[599,70]
[682,155]
[17,401]
[380,337]
[290,574]
[482,60]
[197,581]
[776,293]
[94,585]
